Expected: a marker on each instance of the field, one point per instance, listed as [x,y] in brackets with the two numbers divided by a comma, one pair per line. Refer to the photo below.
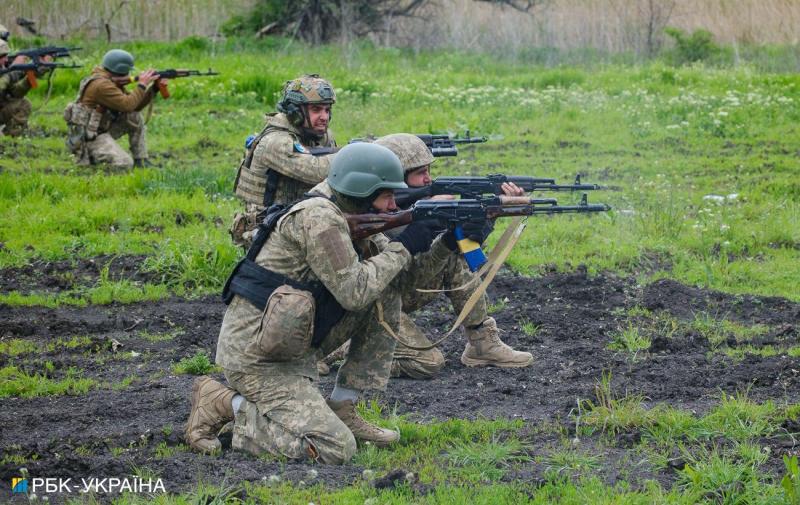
[665,332]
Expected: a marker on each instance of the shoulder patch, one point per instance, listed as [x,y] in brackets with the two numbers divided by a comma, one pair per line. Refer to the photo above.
[298,147]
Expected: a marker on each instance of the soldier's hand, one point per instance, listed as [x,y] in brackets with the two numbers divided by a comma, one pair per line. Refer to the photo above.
[418,236]
[443,197]
[19,60]
[148,76]
[511,189]
[47,58]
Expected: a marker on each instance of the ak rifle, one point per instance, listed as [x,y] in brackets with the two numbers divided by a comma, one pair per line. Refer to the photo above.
[454,213]
[37,64]
[472,187]
[438,144]
[171,73]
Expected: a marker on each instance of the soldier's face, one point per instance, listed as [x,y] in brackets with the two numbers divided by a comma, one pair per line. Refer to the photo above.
[319,115]
[385,202]
[3,60]
[419,177]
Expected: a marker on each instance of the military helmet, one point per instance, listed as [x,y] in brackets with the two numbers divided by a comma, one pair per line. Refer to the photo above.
[310,88]
[411,150]
[118,61]
[361,169]
[4,49]
[4,33]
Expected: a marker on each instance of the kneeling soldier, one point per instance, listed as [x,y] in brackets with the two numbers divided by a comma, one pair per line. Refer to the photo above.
[105,111]
[15,109]
[305,288]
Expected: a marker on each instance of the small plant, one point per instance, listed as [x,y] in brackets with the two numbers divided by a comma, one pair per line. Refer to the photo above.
[199,364]
[791,481]
[529,328]
[569,462]
[497,306]
[629,340]
[164,451]
[484,460]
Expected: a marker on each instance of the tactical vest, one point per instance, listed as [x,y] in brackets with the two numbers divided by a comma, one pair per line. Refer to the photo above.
[79,115]
[261,188]
[256,283]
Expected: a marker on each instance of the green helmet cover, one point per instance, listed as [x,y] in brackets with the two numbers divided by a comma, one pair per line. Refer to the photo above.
[118,61]
[362,168]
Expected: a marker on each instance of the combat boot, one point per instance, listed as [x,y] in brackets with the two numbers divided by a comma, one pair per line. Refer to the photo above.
[142,163]
[484,348]
[362,430]
[211,409]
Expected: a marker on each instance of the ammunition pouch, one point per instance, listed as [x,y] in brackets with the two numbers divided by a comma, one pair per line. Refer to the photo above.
[256,284]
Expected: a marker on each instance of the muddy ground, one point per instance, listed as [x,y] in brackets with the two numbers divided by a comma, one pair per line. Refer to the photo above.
[114,430]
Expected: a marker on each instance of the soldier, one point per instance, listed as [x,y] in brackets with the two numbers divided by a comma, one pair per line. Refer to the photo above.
[484,347]
[304,288]
[105,111]
[15,109]
[4,33]
[279,167]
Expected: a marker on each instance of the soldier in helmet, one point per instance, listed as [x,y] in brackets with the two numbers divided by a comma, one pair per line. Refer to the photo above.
[304,288]
[105,111]
[483,347]
[279,167]
[15,109]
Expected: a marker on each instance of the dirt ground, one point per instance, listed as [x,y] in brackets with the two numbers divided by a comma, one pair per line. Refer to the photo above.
[114,432]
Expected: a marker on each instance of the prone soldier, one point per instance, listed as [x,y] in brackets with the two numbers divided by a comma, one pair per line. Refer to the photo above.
[278,166]
[305,288]
[105,111]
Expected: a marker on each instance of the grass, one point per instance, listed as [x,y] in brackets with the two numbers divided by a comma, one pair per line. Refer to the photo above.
[19,383]
[681,136]
[199,364]
[629,340]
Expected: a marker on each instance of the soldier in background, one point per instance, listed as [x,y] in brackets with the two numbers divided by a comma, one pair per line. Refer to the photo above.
[15,109]
[278,166]
[105,111]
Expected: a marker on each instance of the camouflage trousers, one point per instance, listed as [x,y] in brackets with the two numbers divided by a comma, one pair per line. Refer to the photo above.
[104,149]
[14,116]
[286,415]
[455,273]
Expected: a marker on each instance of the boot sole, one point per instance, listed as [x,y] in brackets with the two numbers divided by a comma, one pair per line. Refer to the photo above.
[472,362]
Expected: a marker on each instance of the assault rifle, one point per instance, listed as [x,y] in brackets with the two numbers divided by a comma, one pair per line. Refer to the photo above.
[444,145]
[454,213]
[439,145]
[36,64]
[172,73]
[476,187]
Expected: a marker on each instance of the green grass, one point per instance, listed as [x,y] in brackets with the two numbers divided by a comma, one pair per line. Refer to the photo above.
[630,340]
[199,364]
[680,135]
[19,383]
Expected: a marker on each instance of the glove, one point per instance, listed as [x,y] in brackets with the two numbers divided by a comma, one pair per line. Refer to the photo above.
[417,237]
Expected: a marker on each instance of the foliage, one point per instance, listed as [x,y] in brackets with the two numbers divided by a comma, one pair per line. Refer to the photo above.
[698,46]
[199,364]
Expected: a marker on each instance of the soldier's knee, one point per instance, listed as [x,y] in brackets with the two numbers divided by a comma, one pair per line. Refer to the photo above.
[335,451]
[425,367]
[24,107]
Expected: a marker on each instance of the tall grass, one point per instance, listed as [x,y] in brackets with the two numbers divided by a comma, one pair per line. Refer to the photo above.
[614,26]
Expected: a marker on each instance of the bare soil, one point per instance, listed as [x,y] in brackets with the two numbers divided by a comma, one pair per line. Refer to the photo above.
[112,432]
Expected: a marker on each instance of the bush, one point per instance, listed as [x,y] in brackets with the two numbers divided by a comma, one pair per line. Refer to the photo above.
[698,46]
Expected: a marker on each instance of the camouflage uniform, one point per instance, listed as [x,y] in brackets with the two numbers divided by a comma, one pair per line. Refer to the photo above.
[278,166]
[102,113]
[15,109]
[267,356]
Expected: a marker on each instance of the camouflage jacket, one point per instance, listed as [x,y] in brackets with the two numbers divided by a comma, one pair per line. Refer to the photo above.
[310,243]
[13,85]
[282,149]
